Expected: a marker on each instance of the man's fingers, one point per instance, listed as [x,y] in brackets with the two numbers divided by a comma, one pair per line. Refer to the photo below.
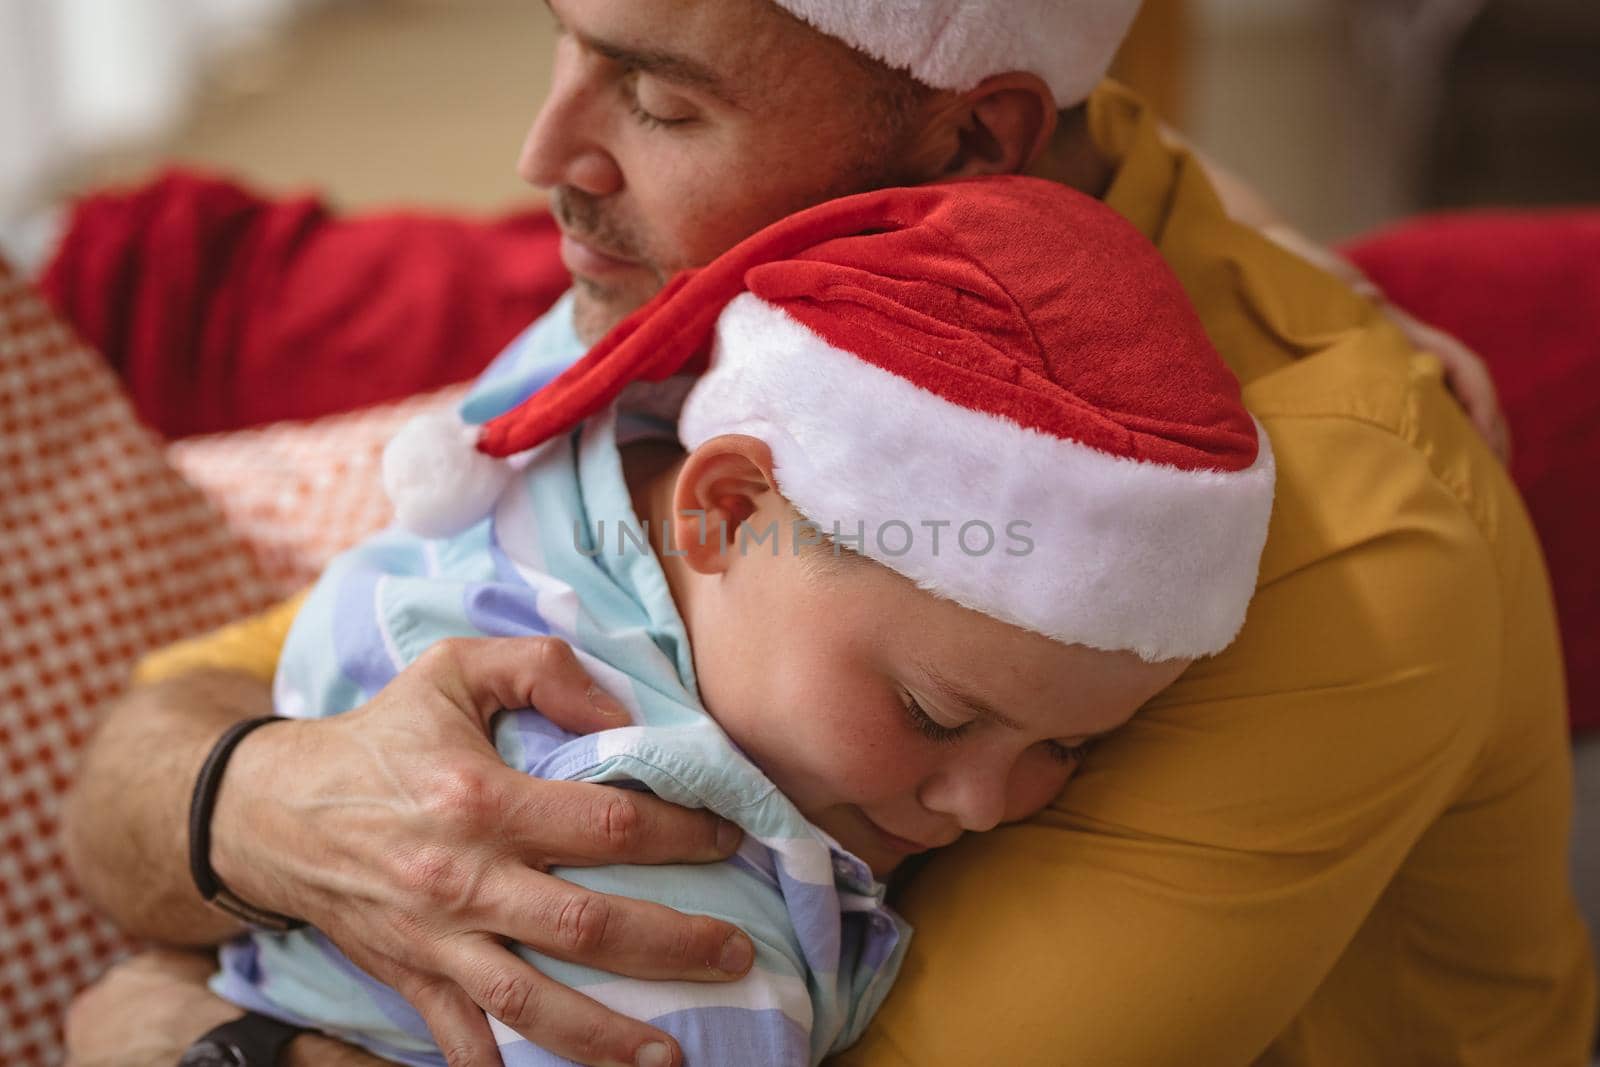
[558,1019]
[1469,380]
[1467,376]
[457,1024]
[492,674]
[1502,441]
[577,824]
[628,937]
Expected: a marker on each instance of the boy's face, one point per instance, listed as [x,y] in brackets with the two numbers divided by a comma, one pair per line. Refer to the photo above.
[877,707]
[673,129]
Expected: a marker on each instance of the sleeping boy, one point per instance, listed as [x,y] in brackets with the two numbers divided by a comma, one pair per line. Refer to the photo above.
[950,483]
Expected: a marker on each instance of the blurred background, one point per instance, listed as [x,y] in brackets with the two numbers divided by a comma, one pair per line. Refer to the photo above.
[1345,113]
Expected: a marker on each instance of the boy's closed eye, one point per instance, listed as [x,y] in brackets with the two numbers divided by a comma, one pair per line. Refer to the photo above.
[942,733]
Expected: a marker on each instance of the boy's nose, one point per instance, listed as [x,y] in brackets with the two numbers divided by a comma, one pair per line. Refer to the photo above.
[970,793]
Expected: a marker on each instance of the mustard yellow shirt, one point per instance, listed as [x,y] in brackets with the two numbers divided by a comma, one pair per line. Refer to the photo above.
[1341,842]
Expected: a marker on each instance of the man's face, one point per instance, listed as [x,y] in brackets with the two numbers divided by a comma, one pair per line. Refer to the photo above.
[676,128]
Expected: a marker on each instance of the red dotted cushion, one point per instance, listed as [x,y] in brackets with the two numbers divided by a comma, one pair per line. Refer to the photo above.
[105,554]
[297,493]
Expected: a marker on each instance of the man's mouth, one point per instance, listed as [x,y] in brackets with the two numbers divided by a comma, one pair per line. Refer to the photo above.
[586,260]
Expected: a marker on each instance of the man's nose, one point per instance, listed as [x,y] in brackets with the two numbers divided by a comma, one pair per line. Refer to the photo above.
[972,792]
[565,145]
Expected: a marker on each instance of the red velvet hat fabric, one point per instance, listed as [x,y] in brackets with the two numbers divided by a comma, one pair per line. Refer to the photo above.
[1011,296]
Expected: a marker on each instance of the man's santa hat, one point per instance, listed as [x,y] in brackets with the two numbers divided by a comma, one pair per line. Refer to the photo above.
[996,351]
[955,44]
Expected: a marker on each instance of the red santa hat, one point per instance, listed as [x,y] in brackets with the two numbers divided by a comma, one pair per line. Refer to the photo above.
[994,352]
[955,44]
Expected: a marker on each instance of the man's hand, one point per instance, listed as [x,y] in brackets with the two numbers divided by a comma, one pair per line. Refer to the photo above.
[399,832]
[1464,371]
[146,1011]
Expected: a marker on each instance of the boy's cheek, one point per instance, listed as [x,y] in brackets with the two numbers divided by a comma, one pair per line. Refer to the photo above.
[1032,790]
[883,774]
[821,769]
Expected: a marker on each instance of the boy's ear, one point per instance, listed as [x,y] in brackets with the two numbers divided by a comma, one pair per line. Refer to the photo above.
[1000,127]
[721,485]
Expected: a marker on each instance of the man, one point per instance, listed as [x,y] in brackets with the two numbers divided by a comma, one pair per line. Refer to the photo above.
[1342,841]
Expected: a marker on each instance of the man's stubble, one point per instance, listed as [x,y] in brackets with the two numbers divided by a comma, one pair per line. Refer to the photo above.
[888,122]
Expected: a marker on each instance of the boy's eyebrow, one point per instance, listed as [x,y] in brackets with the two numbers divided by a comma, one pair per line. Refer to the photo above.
[668,66]
[978,708]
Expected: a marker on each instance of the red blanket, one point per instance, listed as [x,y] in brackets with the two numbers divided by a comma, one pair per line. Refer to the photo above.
[221,308]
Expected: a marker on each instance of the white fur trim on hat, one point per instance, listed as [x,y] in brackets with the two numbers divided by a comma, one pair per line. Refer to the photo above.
[437,480]
[955,44]
[1127,555]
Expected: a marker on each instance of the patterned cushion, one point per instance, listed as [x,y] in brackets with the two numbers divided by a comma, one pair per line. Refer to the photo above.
[105,553]
[297,493]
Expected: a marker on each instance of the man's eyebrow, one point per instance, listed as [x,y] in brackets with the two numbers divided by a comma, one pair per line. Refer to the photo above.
[667,66]
[978,708]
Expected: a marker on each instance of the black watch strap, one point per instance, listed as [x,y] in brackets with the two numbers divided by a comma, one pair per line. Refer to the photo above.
[207,784]
[250,1041]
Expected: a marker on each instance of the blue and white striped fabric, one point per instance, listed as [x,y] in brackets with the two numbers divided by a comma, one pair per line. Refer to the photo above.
[827,949]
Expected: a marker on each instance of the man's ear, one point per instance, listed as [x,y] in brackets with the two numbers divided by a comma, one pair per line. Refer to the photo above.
[1000,127]
[722,485]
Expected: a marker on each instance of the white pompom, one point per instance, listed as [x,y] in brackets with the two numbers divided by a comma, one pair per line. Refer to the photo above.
[438,481]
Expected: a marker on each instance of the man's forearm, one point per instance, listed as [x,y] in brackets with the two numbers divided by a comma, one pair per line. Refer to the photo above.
[126,821]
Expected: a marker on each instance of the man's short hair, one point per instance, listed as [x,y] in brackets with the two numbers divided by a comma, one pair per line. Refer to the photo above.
[896,95]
